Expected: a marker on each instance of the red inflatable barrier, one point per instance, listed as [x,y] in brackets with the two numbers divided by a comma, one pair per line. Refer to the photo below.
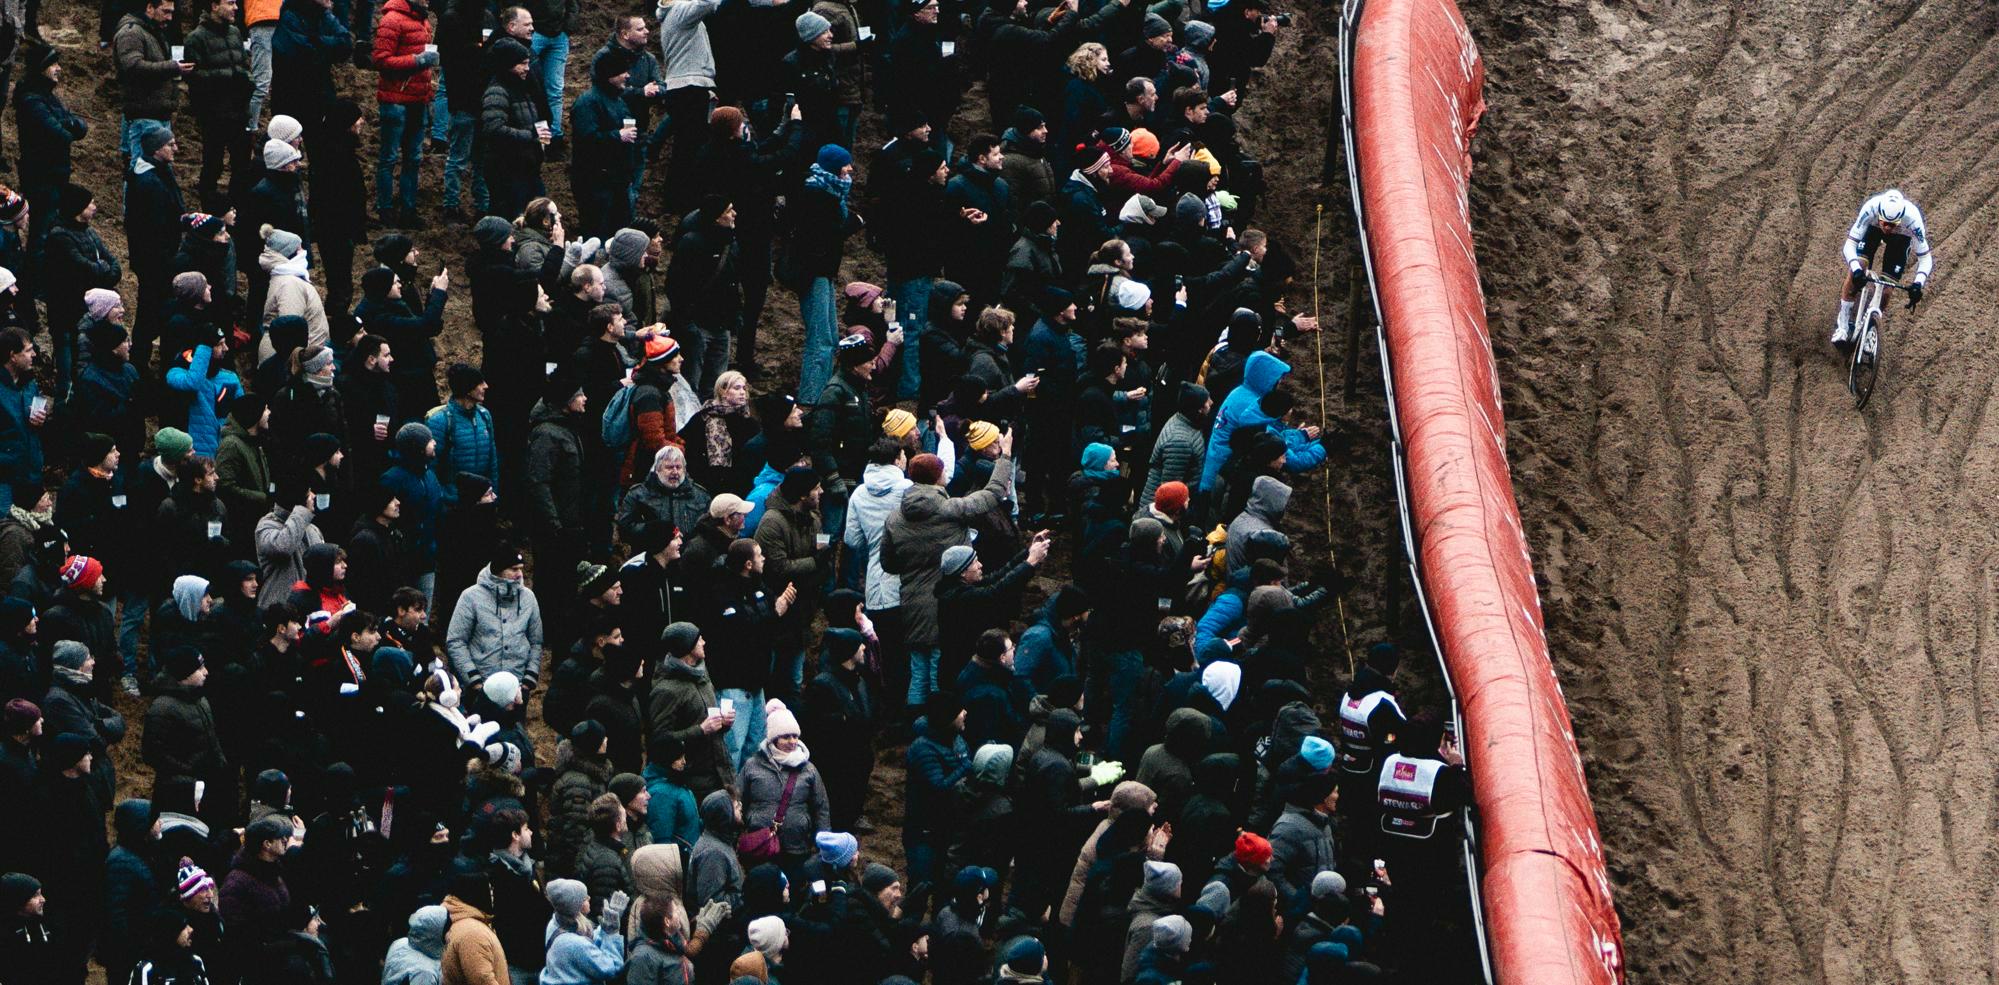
[1416,84]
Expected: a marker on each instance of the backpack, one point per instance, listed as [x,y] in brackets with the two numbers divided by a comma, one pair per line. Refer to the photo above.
[616,429]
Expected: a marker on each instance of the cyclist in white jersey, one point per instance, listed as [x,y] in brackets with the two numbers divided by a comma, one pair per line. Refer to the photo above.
[1887,220]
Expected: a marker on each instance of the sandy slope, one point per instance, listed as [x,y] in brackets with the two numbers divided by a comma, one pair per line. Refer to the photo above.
[1771,613]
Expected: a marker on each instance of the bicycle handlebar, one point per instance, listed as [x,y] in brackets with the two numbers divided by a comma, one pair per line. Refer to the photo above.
[1885,281]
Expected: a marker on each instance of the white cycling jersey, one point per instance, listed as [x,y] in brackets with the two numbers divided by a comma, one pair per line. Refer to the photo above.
[1910,225]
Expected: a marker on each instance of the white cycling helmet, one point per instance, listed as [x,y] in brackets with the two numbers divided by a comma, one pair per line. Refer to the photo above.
[1894,208]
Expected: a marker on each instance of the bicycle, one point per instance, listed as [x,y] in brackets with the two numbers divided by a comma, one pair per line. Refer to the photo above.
[1863,363]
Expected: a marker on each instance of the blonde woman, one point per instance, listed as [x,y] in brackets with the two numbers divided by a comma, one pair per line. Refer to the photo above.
[718,435]
[1086,100]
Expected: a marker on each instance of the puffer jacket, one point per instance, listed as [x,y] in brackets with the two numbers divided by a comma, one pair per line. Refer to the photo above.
[713,871]
[282,540]
[1177,456]
[868,512]
[148,77]
[291,293]
[207,393]
[507,115]
[789,535]
[579,779]
[20,444]
[416,959]
[465,443]
[48,130]
[808,813]
[1301,846]
[219,86]
[400,36]
[1260,375]
[180,737]
[929,521]
[472,953]
[495,626]
[679,702]
[245,480]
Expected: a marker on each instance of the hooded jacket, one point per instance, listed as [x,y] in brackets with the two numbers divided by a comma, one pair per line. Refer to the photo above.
[1264,511]
[1240,409]
[713,872]
[472,954]
[495,626]
[808,813]
[868,512]
[1169,766]
[417,959]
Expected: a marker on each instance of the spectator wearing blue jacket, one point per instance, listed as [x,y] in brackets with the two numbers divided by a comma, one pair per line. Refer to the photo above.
[20,425]
[937,760]
[1243,408]
[463,429]
[582,952]
[1048,649]
[209,389]
[415,485]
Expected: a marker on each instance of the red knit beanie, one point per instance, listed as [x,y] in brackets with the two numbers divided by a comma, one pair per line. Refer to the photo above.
[1252,850]
[1171,497]
[927,469]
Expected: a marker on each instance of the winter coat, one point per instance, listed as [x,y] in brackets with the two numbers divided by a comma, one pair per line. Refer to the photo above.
[253,898]
[651,502]
[927,523]
[76,260]
[180,737]
[245,480]
[1029,176]
[520,911]
[20,443]
[507,114]
[685,56]
[307,43]
[416,486]
[673,816]
[1046,651]
[47,131]
[555,473]
[1177,456]
[465,443]
[400,36]
[713,871]
[808,813]
[574,959]
[148,76]
[868,511]
[416,959]
[207,395]
[1032,267]
[472,953]
[409,334]
[291,293]
[614,706]
[595,124]
[679,702]
[1168,768]
[496,625]
[934,768]
[789,536]
[840,429]
[819,231]
[282,540]
[579,779]
[703,286]
[219,87]
[1264,511]
[153,207]
[1261,374]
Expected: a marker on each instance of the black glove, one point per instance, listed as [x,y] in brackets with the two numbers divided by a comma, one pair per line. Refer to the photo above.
[1858,278]
[1915,294]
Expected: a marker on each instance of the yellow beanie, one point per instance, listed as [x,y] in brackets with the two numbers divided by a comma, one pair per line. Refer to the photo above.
[898,423]
[980,434]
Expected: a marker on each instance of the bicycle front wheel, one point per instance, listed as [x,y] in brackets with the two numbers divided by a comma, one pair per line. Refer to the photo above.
[1866,366]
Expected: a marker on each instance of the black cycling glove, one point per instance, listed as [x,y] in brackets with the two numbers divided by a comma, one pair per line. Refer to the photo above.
[1915,294]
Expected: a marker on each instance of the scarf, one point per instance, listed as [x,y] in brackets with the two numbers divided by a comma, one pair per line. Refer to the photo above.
[72,675]
[32,519]
[700,673]
[795,759]
[832,184]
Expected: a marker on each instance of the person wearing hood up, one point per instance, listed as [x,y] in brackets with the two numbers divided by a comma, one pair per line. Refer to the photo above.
[1050,802]
[1262,374]
[714,873]
[416,959]
[1169,766]
[496,624]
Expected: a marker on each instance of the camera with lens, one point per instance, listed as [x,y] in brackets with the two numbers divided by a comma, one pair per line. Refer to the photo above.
[1283,20]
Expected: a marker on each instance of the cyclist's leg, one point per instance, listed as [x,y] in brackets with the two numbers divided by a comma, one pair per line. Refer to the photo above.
[1849,293]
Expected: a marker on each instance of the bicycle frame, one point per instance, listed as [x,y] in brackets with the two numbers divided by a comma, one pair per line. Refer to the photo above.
[1863,364]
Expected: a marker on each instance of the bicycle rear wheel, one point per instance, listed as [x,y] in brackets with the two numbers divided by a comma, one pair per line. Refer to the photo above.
[1866,363]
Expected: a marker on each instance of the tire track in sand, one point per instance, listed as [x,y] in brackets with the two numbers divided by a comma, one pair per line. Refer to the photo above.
[1771,614]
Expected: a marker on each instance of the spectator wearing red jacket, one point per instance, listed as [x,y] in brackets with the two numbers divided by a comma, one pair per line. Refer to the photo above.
[404,56]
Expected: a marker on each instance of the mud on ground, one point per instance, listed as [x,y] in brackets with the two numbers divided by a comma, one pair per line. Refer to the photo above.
[1772,615]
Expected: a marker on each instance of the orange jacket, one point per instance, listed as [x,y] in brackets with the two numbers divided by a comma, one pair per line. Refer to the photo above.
[261,12]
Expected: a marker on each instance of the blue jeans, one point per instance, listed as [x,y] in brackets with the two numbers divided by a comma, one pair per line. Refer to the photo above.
[402,130]
[440,110]
[746,736]
[659,136]
[923,674]
[551,59]
[815,366]
[848,119]
[459,158]
[788,667]
[912,309]
[132,608]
